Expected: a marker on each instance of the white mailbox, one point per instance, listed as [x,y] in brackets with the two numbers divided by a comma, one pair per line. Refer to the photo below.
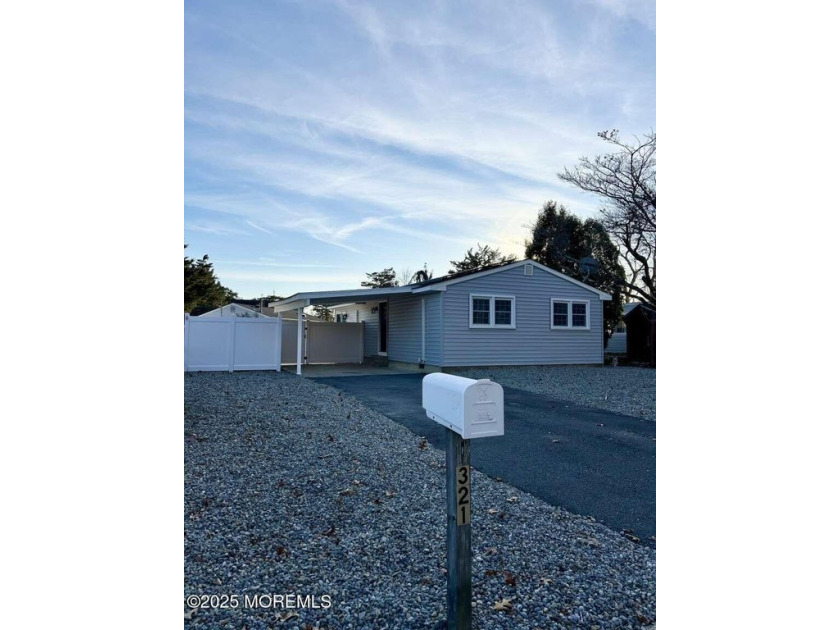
[471,408]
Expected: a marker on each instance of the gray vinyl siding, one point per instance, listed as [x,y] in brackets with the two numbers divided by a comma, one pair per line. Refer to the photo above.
[371,321]
[433,328]
[405,328]
[532,342]
[617,343]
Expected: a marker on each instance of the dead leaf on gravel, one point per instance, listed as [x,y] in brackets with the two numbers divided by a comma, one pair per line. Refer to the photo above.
[490,551]
[546,581]
[390,494]
[423,444]
[497,478]
[329,532]
[509,579]
[505,605]
[330,438]
[356,482]
[190,613]
[490,573]
[512,499]
[377,501]
[347,492]
[492,511]
[281,551]
[285,616]
[629,535]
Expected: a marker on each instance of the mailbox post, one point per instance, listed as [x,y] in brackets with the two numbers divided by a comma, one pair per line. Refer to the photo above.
[468,409]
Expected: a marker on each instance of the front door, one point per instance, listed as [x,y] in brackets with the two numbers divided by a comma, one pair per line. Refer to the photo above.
[383,328]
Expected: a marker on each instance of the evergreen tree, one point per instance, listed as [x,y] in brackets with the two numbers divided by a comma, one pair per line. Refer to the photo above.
[560,240]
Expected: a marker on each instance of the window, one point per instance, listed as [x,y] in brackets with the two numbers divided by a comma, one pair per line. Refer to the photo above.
[492,311]
[481,311]
[560,314]
[570,314]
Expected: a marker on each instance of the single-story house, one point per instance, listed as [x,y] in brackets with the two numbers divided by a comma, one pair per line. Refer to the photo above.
[520,313]
[233,310]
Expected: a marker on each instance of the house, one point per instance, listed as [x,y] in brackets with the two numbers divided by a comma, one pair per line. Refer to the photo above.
[233,310]
[520,313]
[617,343]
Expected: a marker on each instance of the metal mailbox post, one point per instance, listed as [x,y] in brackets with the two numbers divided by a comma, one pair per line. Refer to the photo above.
[468,409]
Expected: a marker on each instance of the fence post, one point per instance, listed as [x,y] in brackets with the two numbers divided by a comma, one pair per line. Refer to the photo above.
[186,342]
[278,346]
[231,344]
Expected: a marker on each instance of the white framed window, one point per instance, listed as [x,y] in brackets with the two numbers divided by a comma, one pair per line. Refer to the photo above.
[492,311]
[569,314]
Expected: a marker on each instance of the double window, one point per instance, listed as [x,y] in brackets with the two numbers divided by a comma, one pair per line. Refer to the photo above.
[570,314]
[492,311]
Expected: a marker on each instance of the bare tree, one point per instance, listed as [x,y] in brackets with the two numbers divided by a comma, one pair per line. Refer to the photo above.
[626,180]
[405,276]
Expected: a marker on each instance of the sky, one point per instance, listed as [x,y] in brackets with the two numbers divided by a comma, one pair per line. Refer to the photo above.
[327,139]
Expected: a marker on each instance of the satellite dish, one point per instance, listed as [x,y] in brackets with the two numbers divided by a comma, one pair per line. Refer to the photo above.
[588,265]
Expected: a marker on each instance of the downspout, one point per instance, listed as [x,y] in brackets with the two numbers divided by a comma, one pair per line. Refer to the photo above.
[422,333]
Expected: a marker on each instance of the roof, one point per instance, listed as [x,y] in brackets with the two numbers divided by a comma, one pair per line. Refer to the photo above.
[300,300]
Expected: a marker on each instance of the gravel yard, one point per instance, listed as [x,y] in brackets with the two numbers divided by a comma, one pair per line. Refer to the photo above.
[291,487]
[627,390]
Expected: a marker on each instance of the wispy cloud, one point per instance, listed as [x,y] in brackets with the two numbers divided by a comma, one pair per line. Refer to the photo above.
[394,133]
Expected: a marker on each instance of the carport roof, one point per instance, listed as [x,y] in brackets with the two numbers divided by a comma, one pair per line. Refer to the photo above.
[328,298]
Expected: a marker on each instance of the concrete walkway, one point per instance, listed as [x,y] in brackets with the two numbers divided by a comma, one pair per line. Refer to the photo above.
[588,461]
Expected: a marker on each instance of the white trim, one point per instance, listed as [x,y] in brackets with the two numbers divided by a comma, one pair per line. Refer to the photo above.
[441,286]
[492,297]
[569,314]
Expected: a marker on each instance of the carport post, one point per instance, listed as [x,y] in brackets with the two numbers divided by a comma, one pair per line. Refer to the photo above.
[300,340]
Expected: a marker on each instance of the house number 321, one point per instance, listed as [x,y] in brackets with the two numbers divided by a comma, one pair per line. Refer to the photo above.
[462,494]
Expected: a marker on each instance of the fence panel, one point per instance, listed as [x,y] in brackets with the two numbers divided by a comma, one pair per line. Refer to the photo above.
[208,344]
[246,343]
[335,343]
[255,344]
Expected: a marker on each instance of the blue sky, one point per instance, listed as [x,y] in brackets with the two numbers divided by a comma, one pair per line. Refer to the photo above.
[326,139]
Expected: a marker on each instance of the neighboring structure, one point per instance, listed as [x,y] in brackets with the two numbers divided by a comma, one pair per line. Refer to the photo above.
[641,334]
[233,310]
[618,341]
[521,313]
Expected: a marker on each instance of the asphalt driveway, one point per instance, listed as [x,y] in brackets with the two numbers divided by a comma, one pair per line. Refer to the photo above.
[590,462]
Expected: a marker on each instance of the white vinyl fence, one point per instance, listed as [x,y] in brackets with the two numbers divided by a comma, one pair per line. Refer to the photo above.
[251,343]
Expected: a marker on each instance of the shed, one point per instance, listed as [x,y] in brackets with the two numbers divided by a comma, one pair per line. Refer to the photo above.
[520,313]
[641,334]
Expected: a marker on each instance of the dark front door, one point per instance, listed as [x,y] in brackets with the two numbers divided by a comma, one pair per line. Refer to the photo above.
[383,327]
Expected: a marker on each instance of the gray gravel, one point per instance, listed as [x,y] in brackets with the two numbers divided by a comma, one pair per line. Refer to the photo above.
[627,390]
[291,487]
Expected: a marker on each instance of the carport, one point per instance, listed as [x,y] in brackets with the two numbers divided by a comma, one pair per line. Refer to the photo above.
[332,299]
